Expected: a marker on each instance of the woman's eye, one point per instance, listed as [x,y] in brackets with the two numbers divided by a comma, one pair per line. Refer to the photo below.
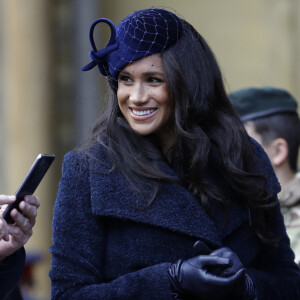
[155,80]
[124,78]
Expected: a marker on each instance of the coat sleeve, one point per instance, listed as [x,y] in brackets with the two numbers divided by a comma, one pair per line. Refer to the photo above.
[78,248]
[11,270]
[275,274]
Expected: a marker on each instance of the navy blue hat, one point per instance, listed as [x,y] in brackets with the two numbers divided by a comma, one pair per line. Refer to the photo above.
[253,103]
[140,34]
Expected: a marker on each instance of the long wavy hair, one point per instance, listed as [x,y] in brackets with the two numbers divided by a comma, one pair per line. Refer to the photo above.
[209,135]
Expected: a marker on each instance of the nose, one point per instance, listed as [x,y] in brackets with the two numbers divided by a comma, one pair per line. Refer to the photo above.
[138,94]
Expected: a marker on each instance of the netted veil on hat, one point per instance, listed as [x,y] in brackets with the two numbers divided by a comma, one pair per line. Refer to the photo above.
[140,34]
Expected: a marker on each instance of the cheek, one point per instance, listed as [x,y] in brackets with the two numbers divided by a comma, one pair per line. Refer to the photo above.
[167,103]
[163,97]
[119,95]
[121,98]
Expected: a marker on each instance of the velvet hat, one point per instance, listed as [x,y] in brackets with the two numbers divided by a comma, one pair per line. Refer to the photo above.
[140,34]
[253,103]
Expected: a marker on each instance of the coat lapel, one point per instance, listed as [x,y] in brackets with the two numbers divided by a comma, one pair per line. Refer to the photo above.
[173,209]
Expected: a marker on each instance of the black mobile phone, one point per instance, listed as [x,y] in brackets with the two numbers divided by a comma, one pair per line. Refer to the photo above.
[30,182]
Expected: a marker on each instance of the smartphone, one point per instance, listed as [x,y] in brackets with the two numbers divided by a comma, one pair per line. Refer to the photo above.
[30,182]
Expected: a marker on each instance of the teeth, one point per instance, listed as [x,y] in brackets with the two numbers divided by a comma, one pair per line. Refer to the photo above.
[142,112]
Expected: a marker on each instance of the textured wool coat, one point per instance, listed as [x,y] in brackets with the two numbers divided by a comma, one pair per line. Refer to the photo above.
[104,247]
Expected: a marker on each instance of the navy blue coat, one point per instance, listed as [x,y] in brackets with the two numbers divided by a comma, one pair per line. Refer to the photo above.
[11,270]
[106,248]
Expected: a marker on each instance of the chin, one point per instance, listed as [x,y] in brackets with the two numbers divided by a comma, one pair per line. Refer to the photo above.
[143,132]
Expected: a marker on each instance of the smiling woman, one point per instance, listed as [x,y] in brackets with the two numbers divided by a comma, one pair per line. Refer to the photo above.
[170,197]
[144,99]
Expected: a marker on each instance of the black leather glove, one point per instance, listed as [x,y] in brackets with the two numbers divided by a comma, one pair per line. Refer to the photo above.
[201,248]
[201,277]
[246,290]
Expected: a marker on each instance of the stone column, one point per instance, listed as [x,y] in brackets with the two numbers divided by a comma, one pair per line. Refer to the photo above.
[26,113]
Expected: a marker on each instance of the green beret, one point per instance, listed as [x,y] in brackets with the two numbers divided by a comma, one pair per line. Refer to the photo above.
[253,103]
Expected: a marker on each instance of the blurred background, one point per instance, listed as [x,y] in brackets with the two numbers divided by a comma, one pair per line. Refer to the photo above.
[47,105]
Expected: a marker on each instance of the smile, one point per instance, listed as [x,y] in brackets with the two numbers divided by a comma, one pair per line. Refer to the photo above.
[142,112]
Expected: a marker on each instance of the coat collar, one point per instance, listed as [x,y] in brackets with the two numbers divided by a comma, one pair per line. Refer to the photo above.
[173,209]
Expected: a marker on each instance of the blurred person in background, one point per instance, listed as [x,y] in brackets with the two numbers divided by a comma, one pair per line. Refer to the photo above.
[270,116]
[170,198]
[27,283]
[12,239]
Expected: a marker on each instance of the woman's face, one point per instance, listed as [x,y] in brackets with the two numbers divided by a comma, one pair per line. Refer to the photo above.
[143,98]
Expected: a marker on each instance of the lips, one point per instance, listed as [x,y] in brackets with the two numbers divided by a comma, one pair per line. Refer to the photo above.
[142,114]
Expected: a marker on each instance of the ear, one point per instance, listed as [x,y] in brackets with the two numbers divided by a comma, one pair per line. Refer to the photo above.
[279,152]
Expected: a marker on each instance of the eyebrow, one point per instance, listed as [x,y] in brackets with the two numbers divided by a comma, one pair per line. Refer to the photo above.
[144,73]
[124,72]
[153,73]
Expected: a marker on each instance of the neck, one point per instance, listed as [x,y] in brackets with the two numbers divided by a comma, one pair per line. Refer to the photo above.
[284,174]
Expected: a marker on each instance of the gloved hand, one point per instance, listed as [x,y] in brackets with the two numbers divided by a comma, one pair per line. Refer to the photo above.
[235,263]
[245,290]
[201,276]
[201,248]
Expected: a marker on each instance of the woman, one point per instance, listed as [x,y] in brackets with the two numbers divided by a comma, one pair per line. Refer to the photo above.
[169,198]
[12,239]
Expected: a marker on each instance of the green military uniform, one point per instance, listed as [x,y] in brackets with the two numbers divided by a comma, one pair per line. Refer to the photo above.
[290,208]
